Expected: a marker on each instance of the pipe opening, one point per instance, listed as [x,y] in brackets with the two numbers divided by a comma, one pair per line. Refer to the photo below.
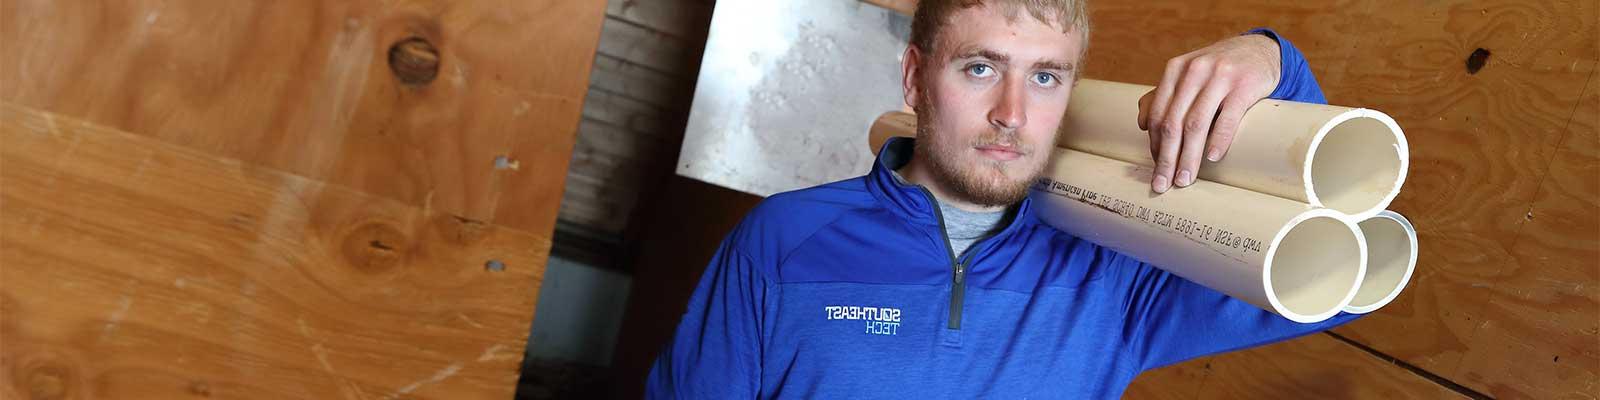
[1314,267]
[1358,166]
[1391,257]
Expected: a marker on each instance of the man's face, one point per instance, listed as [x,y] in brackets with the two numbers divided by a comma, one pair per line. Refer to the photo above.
[989,100]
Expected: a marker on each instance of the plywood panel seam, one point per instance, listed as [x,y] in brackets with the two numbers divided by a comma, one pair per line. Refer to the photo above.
[1413,369]
[1539,189]
[305,183]
[92,177]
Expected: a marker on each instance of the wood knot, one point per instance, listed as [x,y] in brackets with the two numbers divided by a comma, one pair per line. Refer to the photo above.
[1476,60]
[375,247]
[46,379]
[414,61]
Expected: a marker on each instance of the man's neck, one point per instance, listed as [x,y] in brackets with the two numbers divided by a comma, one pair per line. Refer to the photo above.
[918,173]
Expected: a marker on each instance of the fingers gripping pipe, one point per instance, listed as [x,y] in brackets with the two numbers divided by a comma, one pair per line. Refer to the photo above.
[1348,159]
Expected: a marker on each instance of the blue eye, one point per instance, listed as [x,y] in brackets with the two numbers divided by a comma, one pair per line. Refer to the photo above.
[1044,79]
[980,70]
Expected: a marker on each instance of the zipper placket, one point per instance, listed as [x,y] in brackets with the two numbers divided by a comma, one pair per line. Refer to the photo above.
[958,293]
[958,267]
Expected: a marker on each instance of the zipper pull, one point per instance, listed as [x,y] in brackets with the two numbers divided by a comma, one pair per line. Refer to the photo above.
[961,270]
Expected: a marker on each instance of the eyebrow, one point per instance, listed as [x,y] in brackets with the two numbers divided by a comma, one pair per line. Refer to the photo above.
[984,53]
[1055,65]
[1002,58]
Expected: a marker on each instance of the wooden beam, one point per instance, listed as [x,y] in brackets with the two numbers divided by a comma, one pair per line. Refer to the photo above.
[643,46]
[681,18]
[136,268]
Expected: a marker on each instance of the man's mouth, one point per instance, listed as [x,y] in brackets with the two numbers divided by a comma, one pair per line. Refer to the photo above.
[1000,153]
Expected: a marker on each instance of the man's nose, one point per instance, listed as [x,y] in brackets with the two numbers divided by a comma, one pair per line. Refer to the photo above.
[1007,113]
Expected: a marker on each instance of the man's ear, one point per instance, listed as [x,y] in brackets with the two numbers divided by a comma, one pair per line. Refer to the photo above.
[910,63]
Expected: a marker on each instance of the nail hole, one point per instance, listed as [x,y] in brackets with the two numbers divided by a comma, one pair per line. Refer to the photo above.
[494,265]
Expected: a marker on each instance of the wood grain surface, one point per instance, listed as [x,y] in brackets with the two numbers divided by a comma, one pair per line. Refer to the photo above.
[1538,338]
[280,199]
[139,269]
[307,87]
[1502,189]
[1314,367]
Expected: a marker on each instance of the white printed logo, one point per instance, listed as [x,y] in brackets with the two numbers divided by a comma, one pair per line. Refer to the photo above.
[880,320]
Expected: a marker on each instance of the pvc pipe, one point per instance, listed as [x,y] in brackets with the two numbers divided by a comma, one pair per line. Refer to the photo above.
[1302,263]
[890,124]
[1392,258]
[1281,255]
[1348,159]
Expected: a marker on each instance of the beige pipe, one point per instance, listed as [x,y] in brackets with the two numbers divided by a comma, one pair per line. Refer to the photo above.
[1391,259]
[1348,159]
[1278,254]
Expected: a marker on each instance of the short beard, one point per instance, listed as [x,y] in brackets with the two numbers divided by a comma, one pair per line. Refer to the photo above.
[971,185]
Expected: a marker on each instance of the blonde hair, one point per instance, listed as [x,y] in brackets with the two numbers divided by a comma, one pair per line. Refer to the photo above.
[932,16]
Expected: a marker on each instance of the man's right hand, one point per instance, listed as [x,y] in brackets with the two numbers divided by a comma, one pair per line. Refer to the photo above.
[1202,97]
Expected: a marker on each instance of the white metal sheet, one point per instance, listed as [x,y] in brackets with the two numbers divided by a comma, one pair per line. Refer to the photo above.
[787,90]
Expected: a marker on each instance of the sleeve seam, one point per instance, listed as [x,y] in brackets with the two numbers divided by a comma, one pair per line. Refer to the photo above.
[766,281]
[790,251]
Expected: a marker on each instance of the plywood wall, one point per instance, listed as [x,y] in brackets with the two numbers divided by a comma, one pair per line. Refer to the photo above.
[1506,299]
[280,199]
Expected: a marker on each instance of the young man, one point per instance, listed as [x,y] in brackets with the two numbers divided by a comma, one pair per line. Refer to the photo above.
[930,277]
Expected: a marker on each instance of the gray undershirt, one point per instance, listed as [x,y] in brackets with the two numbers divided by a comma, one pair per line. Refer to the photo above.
[962,227]
[966,227]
